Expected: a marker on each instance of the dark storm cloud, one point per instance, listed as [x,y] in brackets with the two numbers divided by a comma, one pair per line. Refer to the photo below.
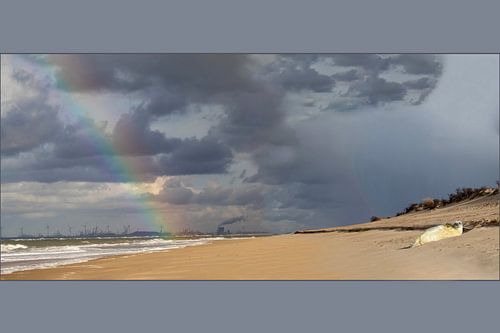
[238,196]
[369,88]
[254,118]
[331,168]
[77,141]
[94,72]
[27,126]
[316,196]
[31,121]
[161,102]
[296,74]
[79,150]
[132,135]
[254,114]
[299,163]
[350,165]
[80,173]
[175,192]
[193,156]
[167,84]
[202,73]
[83,161]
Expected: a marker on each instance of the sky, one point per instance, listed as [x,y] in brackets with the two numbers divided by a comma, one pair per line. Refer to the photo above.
[259,142]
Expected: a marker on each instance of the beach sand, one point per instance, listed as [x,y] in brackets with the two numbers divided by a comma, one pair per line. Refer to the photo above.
[369,251]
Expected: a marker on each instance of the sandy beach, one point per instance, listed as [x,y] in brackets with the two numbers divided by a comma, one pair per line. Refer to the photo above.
[368,251]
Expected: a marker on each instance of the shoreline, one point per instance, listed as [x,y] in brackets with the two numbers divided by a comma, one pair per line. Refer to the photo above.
[370,255]
[368,251]
[83,260]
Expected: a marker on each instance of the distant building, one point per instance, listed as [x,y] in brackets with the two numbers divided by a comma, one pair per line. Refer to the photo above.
[220,230]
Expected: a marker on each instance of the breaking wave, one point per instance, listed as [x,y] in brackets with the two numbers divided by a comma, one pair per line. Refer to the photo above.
[18,257]
[12,247]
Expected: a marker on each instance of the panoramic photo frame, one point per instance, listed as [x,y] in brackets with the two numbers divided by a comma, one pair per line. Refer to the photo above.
[249,166]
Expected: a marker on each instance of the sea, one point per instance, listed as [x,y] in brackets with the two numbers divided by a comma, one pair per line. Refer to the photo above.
[25,254]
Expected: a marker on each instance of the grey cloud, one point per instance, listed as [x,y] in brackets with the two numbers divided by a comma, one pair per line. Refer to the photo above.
[238,196]
[345,174]
[175,192]
[305,79]
[252,119]
[193,156]
[371,62]
[296,74]
[342,104]
[373,89]
[168,83]
[29,122]
[303,58]
[376,90]
[160,102]
[132,135]
[420,84]
[419,63]
[309,103]
[44,165]
[411,63]
[205,73]
[334,168]
[424,86]
[94,72]
[81,160]
[80,173]
[78,140]
[27,126]
[349,75]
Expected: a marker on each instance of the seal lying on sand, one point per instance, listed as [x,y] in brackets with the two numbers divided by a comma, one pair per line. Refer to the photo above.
[439,232]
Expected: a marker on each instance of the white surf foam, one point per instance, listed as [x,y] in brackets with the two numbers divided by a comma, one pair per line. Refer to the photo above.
[11,247]
[18,257]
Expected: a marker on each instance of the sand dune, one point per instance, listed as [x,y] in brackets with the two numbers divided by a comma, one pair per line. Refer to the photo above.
[372,251]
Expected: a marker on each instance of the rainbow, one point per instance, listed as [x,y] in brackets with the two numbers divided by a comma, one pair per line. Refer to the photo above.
[121,169]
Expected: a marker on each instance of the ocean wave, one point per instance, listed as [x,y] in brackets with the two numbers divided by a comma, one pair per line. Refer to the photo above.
[36,257]
[12,247]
